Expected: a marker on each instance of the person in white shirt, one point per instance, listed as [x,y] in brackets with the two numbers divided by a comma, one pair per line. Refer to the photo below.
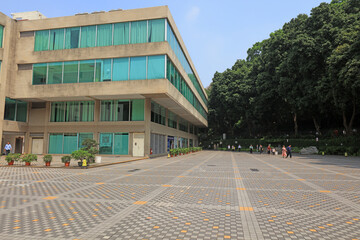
[7,148]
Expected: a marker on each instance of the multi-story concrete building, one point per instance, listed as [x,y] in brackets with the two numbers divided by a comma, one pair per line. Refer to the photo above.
[123,78]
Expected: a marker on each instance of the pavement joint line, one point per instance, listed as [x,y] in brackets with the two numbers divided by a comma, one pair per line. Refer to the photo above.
[127,211]
[248,218]
[316,187]
[41,198]
[328,170]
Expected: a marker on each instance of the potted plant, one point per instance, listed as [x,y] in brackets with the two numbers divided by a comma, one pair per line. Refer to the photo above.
[47,159]
[12,157]
[80,155]
[66,159]
[28,158]
[90,145]
[172,152]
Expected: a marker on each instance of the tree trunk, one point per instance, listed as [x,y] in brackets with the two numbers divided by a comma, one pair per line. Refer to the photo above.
[295,124]
[317,126]
[348,126]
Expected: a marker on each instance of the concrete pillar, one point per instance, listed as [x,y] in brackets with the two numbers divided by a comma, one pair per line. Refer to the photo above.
[147,122]
[7,64]
[46,128]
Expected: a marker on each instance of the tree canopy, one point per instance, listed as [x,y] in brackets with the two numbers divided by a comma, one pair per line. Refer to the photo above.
[305,76]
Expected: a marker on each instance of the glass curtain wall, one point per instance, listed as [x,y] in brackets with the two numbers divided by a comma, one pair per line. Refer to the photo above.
[174,44]
[15,110]
[114,143]
[100,35]
[172,120]
[158,113]
[122,110]
[66,143]
[82,111]
[100,70]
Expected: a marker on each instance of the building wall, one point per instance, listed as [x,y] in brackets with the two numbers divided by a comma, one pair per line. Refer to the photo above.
[18,56]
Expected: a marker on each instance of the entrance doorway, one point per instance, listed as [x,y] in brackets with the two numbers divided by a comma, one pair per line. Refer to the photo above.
[18,145]
[37,146]
[138,144]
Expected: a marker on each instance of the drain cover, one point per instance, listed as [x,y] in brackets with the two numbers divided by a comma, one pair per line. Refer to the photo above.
[133,170]
[254,169]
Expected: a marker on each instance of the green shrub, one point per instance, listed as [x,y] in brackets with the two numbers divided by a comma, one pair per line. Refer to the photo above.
[48,158]
[29,158]
[12,157]
[66,159]
[80,154]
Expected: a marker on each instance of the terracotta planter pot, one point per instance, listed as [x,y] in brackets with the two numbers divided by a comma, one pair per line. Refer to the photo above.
[11,163]
[67,164]
[27,163]
[47,164]
[172,155]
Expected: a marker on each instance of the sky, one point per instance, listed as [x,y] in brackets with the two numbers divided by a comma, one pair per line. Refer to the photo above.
[216,33]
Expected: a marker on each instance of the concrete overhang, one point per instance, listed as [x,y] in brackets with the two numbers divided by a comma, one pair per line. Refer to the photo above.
[159,90]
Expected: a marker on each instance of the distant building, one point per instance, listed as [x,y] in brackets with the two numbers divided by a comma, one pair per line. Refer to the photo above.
[123,78]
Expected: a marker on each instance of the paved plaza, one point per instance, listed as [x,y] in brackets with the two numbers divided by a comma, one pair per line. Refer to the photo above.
[204,195]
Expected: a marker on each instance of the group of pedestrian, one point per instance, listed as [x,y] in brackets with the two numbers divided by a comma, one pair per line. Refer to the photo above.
[286,151]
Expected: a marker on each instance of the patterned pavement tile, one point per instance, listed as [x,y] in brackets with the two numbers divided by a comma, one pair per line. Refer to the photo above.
[207,195]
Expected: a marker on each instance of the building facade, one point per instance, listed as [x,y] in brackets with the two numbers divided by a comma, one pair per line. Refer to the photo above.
[123,78]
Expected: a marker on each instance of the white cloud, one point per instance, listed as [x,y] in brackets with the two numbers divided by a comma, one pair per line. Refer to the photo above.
[192,14]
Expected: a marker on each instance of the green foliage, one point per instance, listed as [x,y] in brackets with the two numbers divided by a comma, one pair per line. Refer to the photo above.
[65,159]
[304,74]
[12,157]
[29,158]
[80,154]
[90,146]
[48,158]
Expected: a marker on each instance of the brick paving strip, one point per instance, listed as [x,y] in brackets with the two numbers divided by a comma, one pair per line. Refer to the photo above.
[127,211]
[314,186]
[250,224]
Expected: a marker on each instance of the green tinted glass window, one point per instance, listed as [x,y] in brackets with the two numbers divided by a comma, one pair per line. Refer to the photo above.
[72,38]
[82,137]
[56,143]
[87,69]
[121,143]
[55,73]
[39,73]
[104,35]
[56,39]
[156,30]
[10,109]
[138,32]
[106,143]
[137,110]
[156,67]
[88,35]
[120,69]
[42,40]
[21,111]
[137,68]
[71,72]
[1,36]
[121,33]
[57,112]
[70,143]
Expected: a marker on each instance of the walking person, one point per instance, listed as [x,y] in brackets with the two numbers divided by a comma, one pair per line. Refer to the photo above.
[269,149]
[251,148]
[239,148]
[7,148]
[283,151]
[288,151]
[261,149]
